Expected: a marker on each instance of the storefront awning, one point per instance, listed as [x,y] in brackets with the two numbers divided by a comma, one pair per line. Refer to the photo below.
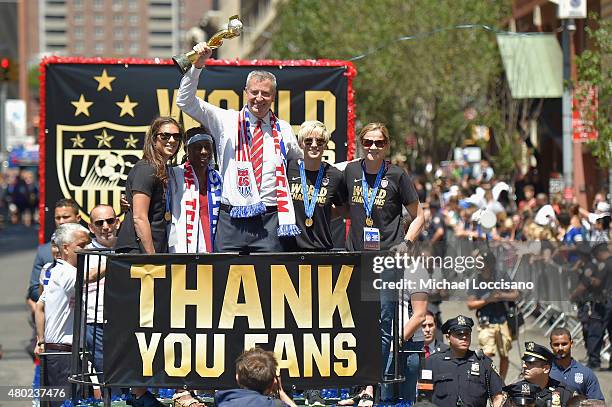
[533,65]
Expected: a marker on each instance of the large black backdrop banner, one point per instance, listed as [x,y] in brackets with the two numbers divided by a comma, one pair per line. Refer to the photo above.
[182,320]
[95,113]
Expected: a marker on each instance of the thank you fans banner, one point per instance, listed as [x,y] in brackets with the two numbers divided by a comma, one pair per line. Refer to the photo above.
[182,320]
[95,114]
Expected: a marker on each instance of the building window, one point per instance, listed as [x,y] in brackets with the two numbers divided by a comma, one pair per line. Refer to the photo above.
[78,18]
[118,33]
[133,33]
[118,47]
[132,4]
[134,48]
[118,19]
[99,47]
[78,4]
[98,4]
[78,47]
[161,19]
[117,5]
[78,32]
[99,19]
[133,19]
[99,32]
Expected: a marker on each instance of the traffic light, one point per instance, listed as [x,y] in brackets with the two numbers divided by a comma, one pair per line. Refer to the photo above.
[5,67]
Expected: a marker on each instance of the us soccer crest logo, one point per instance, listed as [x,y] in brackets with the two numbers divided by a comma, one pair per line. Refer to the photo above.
[96,160]
[244,182]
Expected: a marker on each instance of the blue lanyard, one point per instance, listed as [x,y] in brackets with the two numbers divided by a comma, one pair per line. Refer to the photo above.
[309,205]
[368,199]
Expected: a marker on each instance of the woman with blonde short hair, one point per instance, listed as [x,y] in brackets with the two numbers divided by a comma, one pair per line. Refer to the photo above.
[316,188]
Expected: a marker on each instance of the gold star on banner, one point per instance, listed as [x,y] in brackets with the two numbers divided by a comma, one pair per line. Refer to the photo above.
[77,141]
[82,106]
[104,81]
[104,139]
[127,106]
[130,142]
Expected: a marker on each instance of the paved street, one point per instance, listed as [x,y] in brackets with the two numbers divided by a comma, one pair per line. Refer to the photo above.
[17,251]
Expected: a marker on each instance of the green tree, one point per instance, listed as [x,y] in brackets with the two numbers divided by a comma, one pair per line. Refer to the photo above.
[420,86]
[595,68]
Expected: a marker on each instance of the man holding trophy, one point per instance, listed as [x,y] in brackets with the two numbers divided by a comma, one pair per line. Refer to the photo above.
[253,147]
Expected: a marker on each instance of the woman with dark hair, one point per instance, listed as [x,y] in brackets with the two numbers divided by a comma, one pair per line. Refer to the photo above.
[144,229]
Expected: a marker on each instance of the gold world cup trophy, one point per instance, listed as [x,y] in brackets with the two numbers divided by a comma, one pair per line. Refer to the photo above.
[234,29]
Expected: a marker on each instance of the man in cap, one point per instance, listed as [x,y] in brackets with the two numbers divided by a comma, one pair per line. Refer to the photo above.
[567,369]
[521,394]
[537,362]
[460,376]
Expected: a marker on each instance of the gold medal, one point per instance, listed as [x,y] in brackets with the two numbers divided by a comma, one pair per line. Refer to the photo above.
[168,216]
[369,221]
[308,222]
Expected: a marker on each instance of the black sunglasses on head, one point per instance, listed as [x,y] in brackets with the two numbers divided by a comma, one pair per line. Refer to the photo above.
[366,142]
[100,222]
[166,136]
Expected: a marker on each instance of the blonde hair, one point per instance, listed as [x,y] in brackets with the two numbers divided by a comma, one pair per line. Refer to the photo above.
[312,128]
[373,127]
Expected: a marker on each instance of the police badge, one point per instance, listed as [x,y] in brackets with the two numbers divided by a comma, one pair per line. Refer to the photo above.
[579,378]
[461,320]
[556,398]
[530,346]
[525,389]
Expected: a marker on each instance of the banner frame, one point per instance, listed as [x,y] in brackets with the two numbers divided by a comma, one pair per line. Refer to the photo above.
[350,73]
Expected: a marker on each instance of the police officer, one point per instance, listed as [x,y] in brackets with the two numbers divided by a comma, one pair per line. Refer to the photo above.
[591,296]
[521,394]
[460,376]
[537,362]
[568,370]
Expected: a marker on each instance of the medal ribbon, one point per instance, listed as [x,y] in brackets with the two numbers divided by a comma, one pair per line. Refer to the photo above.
[309,205]
[368,199]
[168,196]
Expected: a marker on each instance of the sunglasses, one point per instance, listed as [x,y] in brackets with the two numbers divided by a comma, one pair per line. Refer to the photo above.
[166,136]
[319,141]
[100,222]
[367,143]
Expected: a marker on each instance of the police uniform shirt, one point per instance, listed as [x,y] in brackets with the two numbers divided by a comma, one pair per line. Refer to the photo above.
[332,191]
[465,378]
[495,312]
[579,378]
[553,394]
[395,191]
[590,272]
[437,346]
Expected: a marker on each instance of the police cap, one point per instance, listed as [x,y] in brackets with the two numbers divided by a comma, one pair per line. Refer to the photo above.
[535,352]
[459,323]
[522,393]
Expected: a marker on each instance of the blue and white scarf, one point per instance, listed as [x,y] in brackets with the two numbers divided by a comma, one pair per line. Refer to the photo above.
[186,234]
